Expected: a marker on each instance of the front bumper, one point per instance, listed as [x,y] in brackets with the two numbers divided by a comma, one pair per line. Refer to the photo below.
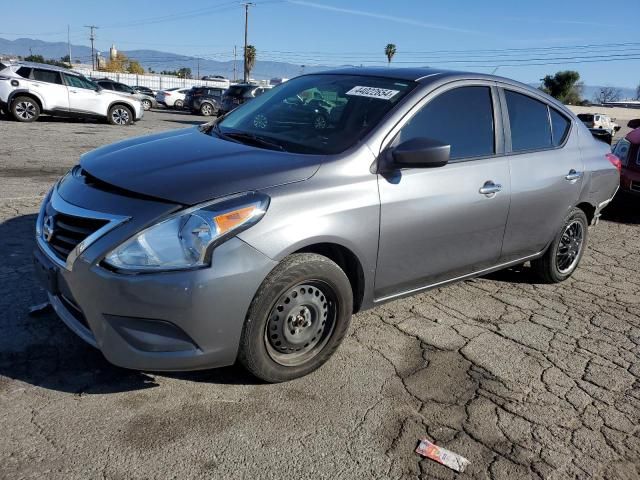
[183,320]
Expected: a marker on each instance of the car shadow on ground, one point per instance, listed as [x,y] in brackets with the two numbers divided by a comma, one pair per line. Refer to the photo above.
[40,350]
[625,208]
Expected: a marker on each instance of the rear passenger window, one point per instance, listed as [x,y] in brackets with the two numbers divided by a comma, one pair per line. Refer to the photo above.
[529,121]
[621,151]
[559,127]
[461,117]
[47,76]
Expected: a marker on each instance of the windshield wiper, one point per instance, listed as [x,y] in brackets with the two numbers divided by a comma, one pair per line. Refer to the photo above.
[255,139]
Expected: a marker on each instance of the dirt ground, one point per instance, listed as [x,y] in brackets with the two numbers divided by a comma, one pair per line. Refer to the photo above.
[525,380]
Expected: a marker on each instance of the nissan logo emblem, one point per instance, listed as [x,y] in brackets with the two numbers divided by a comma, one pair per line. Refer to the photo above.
[47,228]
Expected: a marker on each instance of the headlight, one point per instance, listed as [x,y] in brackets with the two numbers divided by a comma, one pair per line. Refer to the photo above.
[185,240]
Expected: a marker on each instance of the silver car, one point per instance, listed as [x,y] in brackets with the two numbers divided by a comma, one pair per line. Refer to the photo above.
[254,238]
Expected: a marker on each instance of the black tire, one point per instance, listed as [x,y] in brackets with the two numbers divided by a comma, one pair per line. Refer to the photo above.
[178,105]
[147,104]
[565,252]
[120,115]
[25,109]
[207,109]
[275,345]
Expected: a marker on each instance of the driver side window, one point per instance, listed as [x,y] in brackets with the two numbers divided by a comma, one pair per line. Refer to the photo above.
[78,82]
[461,117]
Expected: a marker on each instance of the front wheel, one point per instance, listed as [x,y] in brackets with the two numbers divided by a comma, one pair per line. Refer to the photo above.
[297,319]
[146,104]
[563,255]
[120,115]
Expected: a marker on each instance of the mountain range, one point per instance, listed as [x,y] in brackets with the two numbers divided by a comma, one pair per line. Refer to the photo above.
[158,61]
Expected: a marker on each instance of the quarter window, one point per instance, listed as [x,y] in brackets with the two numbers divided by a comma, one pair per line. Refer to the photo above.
[559,127]
[47,76]
[24,72]
[461,117]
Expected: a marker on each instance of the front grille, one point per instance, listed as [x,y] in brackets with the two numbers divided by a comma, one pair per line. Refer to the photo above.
[68,231]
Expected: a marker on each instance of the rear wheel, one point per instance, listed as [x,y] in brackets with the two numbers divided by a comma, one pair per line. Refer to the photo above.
[146,104]
[565,252]
[120,115]
[297,319]
[25,109]
[178,105]
[207,109]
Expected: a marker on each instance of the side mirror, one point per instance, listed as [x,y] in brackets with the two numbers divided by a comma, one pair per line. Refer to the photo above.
[421,153]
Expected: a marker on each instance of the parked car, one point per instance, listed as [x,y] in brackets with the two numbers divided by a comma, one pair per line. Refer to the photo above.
[240,93]
[198,247]
[172,97]
[28,90]
[628,151]
[203,100]
[148,101]
[145,90]
[214,77]
[601,126]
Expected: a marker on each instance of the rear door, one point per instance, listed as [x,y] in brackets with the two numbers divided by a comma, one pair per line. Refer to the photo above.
[436,224]
[48,84]
[546,171]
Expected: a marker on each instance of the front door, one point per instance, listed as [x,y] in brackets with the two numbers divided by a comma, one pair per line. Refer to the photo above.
[440,223]
[546,173]
[83,97]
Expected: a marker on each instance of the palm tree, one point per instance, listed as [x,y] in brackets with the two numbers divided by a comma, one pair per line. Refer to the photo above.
[390,51]
[249,61]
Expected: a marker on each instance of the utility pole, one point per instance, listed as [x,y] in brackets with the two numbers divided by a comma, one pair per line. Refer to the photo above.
[92,37]
[69,44]
[234,64]
[246,28]
[198,68]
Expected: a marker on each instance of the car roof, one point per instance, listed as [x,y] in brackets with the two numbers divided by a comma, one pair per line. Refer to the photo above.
[634,136]
[44,66]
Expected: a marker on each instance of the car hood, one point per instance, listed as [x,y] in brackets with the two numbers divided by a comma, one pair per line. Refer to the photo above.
[190,166]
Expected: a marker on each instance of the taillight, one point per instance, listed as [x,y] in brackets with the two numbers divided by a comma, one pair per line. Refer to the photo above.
[615,161]
[167,94]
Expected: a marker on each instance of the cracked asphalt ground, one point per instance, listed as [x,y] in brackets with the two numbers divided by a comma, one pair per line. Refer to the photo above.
[523,379]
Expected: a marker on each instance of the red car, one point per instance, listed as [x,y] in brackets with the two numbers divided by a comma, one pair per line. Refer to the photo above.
[628,151]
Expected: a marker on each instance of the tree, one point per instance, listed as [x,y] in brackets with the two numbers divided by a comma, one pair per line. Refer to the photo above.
[184,72]
[135,67]
[390,51]
[564,86]
[117,64]
[250,60]
[41,59]
[607,94]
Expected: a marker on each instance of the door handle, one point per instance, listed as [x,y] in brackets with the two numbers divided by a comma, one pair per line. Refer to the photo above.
[73,91]
[490,188]
[572,176]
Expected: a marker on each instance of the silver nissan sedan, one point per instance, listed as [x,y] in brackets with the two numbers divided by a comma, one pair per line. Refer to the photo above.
[254,238]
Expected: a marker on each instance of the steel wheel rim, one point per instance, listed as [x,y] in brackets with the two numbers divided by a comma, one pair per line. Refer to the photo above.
[570,246]
[120,116]
[206,109]
[25,110]
[300,323]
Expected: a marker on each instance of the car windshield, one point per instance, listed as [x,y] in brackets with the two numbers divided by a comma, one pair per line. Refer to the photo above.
[318,114]
[238,90]
[585,117]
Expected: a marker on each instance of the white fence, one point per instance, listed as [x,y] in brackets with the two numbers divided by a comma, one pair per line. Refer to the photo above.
[155,82]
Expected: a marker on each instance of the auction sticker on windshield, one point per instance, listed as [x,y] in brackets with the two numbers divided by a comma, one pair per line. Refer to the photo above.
[373,92]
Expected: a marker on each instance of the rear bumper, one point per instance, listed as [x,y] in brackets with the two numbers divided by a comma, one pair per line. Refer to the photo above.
[630,181]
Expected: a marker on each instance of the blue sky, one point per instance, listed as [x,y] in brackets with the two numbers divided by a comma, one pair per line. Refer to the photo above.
[465,34]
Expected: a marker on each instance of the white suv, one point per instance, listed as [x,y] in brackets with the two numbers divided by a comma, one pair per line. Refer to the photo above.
[28,90]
